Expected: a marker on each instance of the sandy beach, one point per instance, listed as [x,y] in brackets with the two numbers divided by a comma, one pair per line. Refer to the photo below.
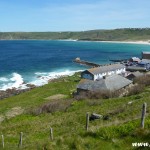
[130,42]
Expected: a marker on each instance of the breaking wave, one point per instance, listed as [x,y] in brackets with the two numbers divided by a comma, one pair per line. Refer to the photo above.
[16,81]
[38,79]
[3,79]
[44,77]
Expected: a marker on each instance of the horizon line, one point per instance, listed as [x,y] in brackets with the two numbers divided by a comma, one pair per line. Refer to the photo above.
[81,30]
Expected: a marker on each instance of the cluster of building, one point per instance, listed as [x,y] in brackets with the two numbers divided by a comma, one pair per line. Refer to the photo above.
[113,77]
[137,64]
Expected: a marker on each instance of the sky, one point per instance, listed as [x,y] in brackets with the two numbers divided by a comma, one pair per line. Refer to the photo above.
[73,15]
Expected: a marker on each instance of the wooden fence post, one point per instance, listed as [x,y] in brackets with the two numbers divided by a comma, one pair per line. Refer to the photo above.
[51,133]
[3,141]
[20,140]
[143,115]
[87,121]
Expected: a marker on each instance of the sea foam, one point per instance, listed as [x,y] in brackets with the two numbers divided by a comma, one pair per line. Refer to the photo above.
[38,79]
[44,77]
[3,79]
[17,78]
[16,81]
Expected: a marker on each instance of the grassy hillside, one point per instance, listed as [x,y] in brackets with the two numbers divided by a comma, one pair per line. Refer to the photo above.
[25,113]
[99,35]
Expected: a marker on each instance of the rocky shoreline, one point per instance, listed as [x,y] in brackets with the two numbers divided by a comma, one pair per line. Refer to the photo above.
[15,91]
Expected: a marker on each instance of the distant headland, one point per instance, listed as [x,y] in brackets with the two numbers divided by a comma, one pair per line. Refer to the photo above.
[123,34]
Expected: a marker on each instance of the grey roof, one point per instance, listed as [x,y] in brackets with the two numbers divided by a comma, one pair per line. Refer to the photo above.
[134,74]
[135,68]
[106,68]
[91,85]
[112,83]
[146,52]
[145,60]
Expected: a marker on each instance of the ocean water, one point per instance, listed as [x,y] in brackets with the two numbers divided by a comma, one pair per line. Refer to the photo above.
[37,61]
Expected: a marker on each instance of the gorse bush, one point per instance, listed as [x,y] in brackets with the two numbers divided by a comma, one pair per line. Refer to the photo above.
[144,80]
[136,89]
[50,107]
[140,83]
[103,94]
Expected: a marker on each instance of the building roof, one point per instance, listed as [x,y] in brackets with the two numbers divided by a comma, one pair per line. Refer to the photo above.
[145,61]
[135,68]
[142,63]
[135,59]
[106,68]
[146,52]
[134,74]
[104,84]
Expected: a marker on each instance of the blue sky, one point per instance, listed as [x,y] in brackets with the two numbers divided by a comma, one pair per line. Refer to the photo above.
[72,15]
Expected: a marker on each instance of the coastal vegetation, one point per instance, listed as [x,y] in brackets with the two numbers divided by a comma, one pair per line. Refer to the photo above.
[52,105]
[126,34]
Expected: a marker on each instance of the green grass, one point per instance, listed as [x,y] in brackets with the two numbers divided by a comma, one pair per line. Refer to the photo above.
[117,133]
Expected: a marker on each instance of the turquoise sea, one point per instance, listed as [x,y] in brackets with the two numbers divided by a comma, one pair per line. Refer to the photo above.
[37,61]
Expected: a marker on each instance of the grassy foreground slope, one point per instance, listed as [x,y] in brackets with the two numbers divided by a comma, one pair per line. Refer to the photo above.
[68,123]
[127,34]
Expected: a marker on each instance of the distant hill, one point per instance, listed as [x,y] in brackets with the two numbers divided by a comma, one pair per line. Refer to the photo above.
[126,34]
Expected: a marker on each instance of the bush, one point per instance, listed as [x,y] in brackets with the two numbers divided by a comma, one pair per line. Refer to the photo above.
[143,80]
[50,107]
[105,94]
[136,89]
[139,85]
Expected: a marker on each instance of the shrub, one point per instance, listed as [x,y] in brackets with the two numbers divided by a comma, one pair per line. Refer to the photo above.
[136,89]
[103,94]
[144,80]
[81,95]
[139,84]
[50,107]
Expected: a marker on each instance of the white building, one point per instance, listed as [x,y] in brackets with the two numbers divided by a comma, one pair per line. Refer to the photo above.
[100,72]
